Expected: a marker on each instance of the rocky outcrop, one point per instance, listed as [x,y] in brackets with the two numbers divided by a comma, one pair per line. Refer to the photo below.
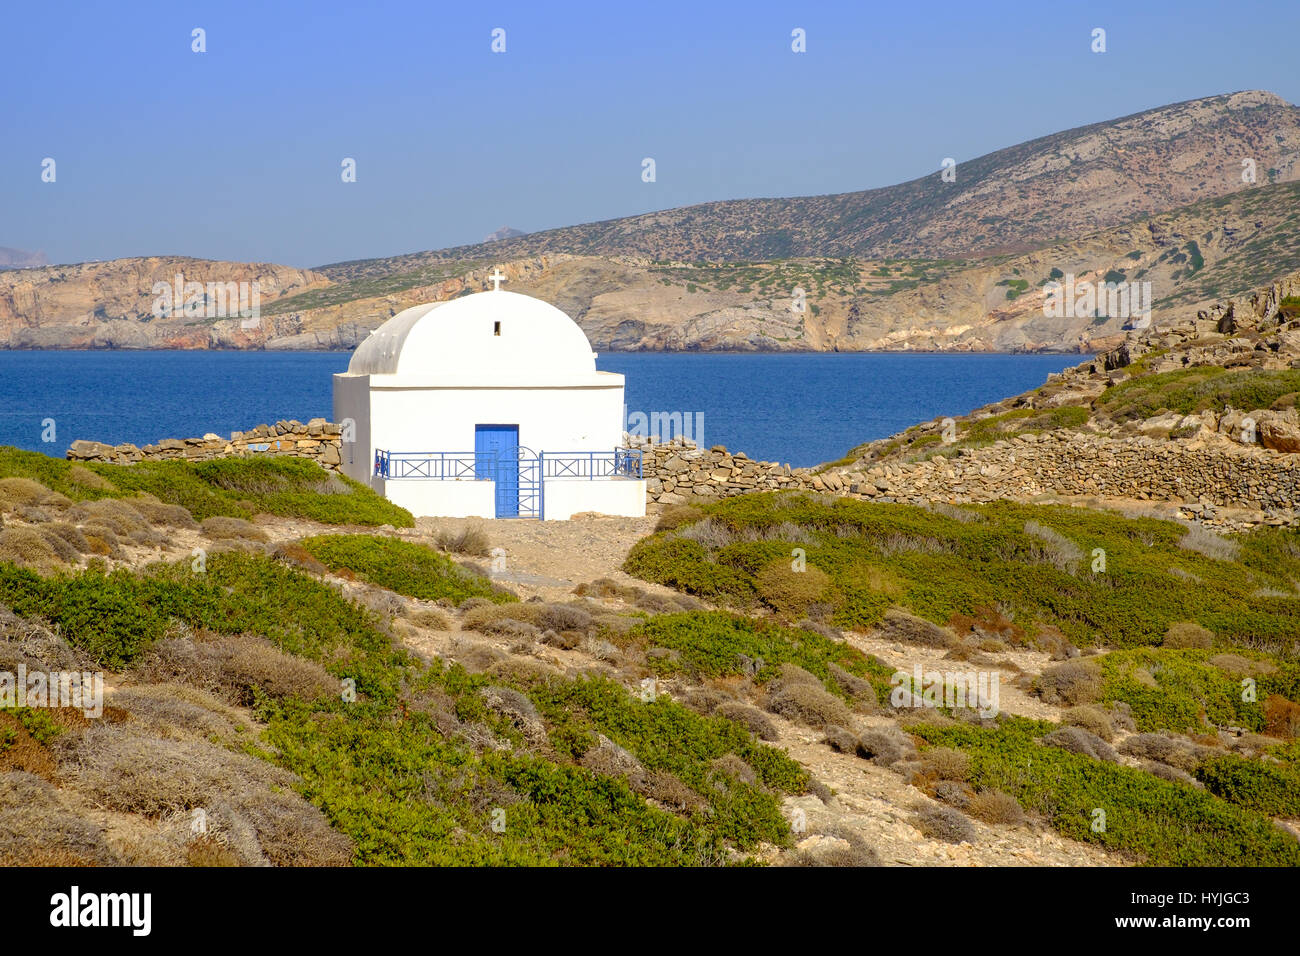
[101,305]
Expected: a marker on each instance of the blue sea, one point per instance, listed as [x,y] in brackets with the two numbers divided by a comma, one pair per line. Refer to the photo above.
[803,409]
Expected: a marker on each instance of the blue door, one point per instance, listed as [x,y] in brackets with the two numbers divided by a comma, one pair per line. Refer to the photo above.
[496,456]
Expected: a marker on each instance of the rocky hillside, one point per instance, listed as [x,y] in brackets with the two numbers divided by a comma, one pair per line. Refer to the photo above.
[1191,257]
[1201,415]
[1153,198]
[111,304]
[1070,183]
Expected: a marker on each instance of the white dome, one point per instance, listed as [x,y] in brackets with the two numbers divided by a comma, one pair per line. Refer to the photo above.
[489,338]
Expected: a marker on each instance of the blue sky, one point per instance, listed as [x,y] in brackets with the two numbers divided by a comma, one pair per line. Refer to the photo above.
[235,153]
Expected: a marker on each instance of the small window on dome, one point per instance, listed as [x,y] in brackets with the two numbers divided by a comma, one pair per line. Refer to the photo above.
[496,328]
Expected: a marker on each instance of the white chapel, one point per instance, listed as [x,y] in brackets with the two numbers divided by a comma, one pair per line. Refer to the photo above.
[488,406]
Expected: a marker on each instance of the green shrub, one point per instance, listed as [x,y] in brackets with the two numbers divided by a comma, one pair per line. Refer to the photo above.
[1157,821]
[1197,389]
[790,592]
[717,644]
[939,567]
[230,487]
[403,566]
[1268,788]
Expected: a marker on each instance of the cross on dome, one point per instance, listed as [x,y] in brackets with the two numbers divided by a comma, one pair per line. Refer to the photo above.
[496,278]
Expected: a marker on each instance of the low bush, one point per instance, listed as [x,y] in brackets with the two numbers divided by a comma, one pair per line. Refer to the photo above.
[1159,822]
[994,806]
[944,823]
[1070,683]
[402,566]
[471,540]
[1184,634]
[232,487]
[789,592]
[221,528]
[1269,788]
[1019,558]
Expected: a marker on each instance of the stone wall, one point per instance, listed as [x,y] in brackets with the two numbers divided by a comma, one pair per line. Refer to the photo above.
[318,440]
[1202,476]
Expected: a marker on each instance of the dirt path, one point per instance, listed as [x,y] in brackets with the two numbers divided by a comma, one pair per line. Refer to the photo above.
[547,559]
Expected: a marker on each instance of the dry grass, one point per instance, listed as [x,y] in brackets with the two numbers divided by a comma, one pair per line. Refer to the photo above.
[840,739]
[101,540]
[1069,683]
[751,718]
[885,745]
[1092,719]
[676,515]
[121,770]
[15,492]
[670,792]
[944,763]
[83,476]
[231,668]
[898,625]
[516,708]
[178,712]
[472,539]
[1079,741]
[1166,748]
[1055,548]
[1282,717]
[160,513]
[712,534]
[22,751]
[221,528]
[36,829]
[799,696]
[844,848]
[1203,541]
[29,548]
[296,556]
[610,759]
[1187,634]
[69,533]
[431,618]
[943,823]
[1239,666]
[994,806]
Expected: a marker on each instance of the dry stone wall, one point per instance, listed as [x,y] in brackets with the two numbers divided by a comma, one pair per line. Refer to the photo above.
[318,439]
[1203,477]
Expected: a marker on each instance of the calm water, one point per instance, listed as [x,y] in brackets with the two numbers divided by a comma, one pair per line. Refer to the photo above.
[801,409]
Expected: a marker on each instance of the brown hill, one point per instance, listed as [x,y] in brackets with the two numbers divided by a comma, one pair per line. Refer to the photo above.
[1064,185]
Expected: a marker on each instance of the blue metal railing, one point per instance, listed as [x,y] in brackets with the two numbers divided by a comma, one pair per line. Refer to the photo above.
[438,465]
[620,463]
[448,466]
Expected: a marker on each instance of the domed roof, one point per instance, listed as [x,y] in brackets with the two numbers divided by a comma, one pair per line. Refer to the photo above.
[488,338]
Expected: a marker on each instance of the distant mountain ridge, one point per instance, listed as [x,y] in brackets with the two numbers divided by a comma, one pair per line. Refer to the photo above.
[21,259]
[1063,185]
[1157,197]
